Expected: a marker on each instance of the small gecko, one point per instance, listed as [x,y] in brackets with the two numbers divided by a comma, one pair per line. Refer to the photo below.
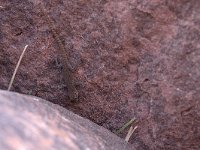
[69,81]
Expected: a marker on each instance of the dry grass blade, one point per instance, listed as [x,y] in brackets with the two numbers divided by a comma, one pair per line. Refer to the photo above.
[130,132]
[125,126]
[16,68]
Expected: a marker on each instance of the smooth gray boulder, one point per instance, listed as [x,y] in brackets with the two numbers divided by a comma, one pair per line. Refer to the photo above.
[32,123]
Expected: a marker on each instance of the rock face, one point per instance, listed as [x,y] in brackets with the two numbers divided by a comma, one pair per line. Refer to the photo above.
[131,58]
[32,123]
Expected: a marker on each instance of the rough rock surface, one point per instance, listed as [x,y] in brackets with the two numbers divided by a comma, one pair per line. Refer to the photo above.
[131,58]
[32,123]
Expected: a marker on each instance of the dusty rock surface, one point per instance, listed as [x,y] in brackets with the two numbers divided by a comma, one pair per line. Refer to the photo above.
[130,58]
[28,122]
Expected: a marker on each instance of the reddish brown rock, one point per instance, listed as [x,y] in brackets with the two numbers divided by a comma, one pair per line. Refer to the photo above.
[131,58]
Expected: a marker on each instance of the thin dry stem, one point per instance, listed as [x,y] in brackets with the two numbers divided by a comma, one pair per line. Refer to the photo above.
[125,126]
[16,68]
[130,132]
